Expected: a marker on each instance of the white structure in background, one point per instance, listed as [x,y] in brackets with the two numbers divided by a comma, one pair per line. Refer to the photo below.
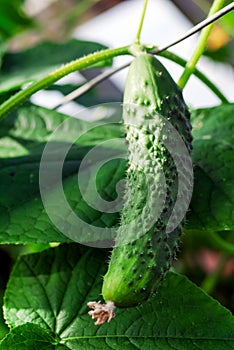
[163,23]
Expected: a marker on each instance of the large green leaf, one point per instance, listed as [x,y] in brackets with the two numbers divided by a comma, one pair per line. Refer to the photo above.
[212,203]
[24,135]
[51,289]
[37,62]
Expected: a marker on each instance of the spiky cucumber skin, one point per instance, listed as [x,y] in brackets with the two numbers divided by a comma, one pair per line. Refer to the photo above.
[137,268]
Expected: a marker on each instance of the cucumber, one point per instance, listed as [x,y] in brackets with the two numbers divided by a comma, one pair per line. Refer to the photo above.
[146,242]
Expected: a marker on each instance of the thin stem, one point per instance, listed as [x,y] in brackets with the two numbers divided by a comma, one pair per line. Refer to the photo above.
[91,59]
[191,64]
[211,281]
[137,40]
[81,90]
[202,77]
[166,54]
[196,28]
[87,86]
[70,67]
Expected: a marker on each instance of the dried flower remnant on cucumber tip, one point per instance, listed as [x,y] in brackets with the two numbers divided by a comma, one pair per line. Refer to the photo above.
[102,312]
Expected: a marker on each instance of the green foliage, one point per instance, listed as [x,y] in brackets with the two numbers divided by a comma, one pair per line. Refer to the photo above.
[228,20]
[3,328]
[25,133]
[223,54]
[27,337]
[12,18]
[57,283]
[23,139]
[211,208]
[37,62]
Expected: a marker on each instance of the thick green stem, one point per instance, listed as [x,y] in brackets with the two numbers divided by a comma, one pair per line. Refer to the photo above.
[70,67]
[191,64]
[173,57]
[137,40]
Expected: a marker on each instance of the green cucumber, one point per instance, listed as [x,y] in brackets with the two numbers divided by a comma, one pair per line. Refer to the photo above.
[145,248]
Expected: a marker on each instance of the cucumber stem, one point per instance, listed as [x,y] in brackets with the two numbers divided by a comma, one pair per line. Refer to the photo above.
[197,73]
[76,65]
[191,64]
[137,39]
[166,54]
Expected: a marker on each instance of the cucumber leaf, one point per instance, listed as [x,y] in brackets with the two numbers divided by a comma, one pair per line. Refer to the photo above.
[212,204]
[36,62]
[29,336]
[24,135]
[56,284]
